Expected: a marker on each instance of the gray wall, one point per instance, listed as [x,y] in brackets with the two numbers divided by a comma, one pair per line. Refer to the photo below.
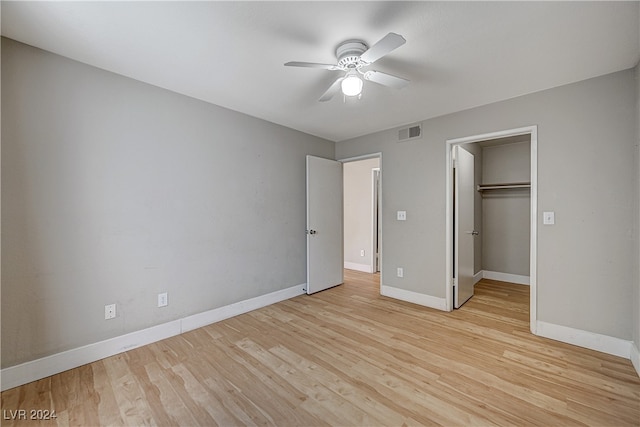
[357,210]
[114,191]
[506,213]
[586,174]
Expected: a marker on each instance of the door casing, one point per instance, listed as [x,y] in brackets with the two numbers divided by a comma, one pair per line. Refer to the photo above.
[376,208]
[533,239]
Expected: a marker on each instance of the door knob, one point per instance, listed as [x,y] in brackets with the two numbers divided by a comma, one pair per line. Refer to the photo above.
[473,233]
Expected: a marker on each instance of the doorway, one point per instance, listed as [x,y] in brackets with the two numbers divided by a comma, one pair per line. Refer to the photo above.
[476,142]
[362,213]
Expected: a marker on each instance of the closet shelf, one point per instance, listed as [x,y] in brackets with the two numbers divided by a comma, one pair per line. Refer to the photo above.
[505,186]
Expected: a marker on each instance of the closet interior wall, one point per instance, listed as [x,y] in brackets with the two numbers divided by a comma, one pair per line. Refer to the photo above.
[505,213]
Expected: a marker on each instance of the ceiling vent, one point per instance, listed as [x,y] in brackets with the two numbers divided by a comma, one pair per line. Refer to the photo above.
[409,133]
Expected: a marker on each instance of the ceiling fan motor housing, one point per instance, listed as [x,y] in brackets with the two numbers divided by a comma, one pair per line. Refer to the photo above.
[348,53]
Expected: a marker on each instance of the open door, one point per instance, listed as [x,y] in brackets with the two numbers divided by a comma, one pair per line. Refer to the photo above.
[325,248]
[464,232]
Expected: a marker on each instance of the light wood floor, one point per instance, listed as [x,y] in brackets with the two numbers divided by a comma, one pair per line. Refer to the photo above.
[349,357]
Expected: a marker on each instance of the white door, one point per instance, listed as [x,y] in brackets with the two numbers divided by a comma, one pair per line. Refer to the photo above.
[464,232]
[325,260]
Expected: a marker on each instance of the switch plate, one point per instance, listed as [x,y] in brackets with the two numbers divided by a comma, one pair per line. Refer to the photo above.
[548,218]
[402,215]
[361,252]
[162,300]
[400,272]
[109,311]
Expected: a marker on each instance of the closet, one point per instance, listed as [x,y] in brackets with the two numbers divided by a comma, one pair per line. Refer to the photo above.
[503,208]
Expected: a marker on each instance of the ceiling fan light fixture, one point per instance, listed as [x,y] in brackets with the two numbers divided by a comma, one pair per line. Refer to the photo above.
[351,85]
[352,56]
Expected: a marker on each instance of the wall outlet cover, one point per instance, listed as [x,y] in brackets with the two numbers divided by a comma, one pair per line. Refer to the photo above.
[163,299]
[109,311]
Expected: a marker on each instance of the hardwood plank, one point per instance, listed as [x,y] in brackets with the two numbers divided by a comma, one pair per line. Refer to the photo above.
[348,356]
[130,396]
[108,411]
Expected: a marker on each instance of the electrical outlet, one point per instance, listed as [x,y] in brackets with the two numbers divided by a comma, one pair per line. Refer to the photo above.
[361,252]
[400,272]
[162,300]
[109,311]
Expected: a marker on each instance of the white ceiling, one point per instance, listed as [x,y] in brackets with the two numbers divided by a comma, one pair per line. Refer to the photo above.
[458,54]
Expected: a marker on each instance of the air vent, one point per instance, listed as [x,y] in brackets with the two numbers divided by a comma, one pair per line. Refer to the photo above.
[411,132]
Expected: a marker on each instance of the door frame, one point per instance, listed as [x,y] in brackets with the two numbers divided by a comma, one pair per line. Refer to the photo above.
[377,155]
[376,224]
[533,234]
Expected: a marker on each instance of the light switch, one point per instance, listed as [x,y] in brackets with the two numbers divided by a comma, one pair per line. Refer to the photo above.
[548,218]
[402,215]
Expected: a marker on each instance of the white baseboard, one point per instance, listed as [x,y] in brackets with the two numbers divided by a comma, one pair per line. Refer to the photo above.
[414,297]
[506,277]
[27,372]
[478,276]
[358,267]
[212,316]
[586,339]
[635,357]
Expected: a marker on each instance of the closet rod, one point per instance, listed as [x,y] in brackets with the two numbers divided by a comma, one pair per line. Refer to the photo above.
[505,186]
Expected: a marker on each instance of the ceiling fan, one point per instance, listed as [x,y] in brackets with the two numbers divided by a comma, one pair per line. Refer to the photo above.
[353,55]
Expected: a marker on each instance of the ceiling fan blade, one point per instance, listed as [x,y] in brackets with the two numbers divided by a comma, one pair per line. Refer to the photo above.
[386,79]
[311,65]
[333,89]
[388,43]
